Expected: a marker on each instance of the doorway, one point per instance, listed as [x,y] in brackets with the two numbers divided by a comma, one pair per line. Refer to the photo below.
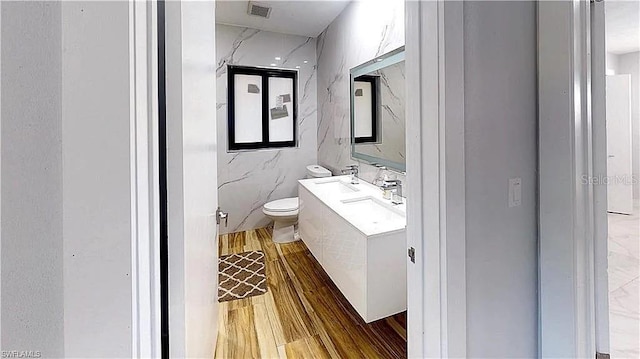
[442,271]
[576,264]
[622,83]
[314,293]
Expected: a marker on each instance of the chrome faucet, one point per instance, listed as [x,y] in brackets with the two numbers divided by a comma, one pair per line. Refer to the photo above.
[396,198]
[353,171]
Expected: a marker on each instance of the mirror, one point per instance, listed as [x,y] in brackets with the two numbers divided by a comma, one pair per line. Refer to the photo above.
[378,111]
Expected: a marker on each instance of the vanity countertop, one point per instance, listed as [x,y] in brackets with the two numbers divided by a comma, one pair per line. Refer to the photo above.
[362,204]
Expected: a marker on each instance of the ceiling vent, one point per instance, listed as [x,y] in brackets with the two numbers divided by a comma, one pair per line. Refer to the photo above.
[259,10]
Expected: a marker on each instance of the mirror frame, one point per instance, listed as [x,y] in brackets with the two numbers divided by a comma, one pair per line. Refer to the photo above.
[380,62]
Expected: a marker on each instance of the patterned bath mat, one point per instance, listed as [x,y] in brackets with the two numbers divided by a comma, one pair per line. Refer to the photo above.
[241,276]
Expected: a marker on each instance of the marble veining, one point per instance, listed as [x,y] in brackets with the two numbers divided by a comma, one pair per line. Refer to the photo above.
[249,179]
[228,59]
[624,287]
[392,147]
[359,34]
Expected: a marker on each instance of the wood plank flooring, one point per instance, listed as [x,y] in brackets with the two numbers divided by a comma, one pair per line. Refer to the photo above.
[303,314]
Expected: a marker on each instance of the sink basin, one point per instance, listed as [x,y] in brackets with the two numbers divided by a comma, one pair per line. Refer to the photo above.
[336,186]
[373,210]
[361,205]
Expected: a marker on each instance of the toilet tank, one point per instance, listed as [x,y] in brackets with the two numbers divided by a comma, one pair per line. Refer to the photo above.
[315,171]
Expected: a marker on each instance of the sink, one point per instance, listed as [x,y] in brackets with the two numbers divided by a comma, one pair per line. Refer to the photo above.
[373,210]
[361,205]
[336,186]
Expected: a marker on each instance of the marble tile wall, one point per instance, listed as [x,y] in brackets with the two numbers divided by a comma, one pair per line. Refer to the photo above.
[249,179]
[360,33]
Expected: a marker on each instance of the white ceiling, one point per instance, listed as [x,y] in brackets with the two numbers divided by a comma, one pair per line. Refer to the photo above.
[622,19]
[301,17]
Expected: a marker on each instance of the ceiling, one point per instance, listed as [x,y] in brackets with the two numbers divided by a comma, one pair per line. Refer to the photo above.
[301,17]
[622,19]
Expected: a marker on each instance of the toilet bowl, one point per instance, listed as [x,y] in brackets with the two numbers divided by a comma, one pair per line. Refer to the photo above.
[284,212]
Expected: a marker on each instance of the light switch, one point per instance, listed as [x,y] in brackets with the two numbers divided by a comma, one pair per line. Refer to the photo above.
[515,192]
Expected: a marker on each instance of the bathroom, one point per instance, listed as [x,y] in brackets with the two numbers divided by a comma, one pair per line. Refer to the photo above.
[311,186]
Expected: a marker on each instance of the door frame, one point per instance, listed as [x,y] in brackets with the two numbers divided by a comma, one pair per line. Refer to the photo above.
[145,181]
[573,307]
[0,173]
[434,49]
[436,181]
[160,297]
[599,150]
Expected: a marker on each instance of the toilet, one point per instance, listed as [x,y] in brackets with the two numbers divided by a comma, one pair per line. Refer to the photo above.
[284,212]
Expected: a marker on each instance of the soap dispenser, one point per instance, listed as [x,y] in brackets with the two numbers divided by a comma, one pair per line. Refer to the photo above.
[387,192]
[380,178]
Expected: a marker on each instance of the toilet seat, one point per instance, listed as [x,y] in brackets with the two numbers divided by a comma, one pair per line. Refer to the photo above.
[282,207]
[289,214]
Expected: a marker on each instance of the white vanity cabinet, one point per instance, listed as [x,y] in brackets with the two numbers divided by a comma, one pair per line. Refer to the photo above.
[309,224]
[369,268]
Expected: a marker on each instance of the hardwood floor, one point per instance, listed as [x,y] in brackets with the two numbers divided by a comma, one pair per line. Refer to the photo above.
[302,315]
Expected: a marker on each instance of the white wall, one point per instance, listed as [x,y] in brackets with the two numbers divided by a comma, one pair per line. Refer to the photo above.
[630,64]
[500,143]
[96,176]
[32,183]
[66,202]
[612,61]
[249,179]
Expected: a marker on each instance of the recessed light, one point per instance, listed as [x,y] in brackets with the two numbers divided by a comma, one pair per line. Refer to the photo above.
[297,67]
[305,61]
[277,58]
[273,65]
